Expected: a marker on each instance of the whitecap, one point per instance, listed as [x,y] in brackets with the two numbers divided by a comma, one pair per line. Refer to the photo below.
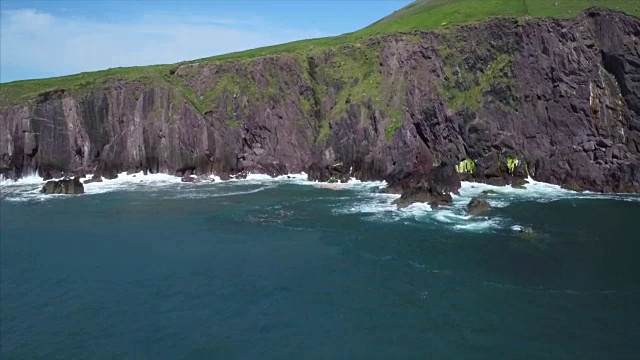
[455,216]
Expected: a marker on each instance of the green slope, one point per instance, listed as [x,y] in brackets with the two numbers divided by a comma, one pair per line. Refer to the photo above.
[433,14]
[420,15]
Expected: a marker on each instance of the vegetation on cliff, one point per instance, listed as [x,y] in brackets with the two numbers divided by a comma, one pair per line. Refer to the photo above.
[424,15]
[498,97]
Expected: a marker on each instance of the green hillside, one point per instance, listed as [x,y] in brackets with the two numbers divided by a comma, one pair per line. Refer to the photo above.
[420,15]
[433,14]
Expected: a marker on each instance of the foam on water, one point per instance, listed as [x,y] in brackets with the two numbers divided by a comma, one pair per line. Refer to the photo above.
[455,216]
[364,197]
[28,188]
[206,195]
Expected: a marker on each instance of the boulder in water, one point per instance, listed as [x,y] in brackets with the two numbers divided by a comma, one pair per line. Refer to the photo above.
[477,206]
[66,186]
[518,183]
[434,189]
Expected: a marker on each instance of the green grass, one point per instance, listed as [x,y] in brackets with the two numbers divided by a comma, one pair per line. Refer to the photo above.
[18,91]
[497,74]
[396,123]
[434,14]
[356,68]
[422,15]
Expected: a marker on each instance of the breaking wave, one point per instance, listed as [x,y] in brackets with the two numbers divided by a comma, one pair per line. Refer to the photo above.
[379,207]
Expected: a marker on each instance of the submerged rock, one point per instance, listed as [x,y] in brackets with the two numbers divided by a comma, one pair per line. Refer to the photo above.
[66,186]
[490,192]
[523,229]
[477,206]
[526,230]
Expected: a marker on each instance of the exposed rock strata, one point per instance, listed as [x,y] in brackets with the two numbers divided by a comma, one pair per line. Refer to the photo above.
[559,98]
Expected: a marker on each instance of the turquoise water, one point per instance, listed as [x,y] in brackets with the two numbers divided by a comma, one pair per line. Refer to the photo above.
[278,269]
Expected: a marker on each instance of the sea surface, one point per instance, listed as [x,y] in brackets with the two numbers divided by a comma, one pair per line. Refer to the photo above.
[148,267]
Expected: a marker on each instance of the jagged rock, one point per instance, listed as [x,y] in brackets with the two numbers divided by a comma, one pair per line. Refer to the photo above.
[517,183]
[241,175]
[332,173]
[604,143]
[477,206]
[435,188]
[65,186]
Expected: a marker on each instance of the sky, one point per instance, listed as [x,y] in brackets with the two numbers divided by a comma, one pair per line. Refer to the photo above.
[48,38]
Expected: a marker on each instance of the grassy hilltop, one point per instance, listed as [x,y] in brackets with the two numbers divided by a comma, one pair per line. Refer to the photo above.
[426,15]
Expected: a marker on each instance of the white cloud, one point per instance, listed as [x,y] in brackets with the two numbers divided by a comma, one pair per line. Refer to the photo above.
[58,45]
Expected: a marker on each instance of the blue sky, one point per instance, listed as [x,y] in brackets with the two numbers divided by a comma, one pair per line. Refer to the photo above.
[53,38]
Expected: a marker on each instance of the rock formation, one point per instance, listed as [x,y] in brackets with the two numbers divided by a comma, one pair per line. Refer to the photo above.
[65,186]
[501,100]
[477,206]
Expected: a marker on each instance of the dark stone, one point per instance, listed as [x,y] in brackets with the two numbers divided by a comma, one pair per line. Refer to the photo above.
[497,181]
[66,186]
[519,183]
[434,188]
[477,206]
[604,143]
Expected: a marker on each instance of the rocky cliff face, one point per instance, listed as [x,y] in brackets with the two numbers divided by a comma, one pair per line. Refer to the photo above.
[558,100]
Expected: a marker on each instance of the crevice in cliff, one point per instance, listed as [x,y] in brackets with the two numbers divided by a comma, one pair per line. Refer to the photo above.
[317,96]
[614,65]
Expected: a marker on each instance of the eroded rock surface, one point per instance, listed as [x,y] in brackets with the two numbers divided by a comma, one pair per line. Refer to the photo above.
[557,100]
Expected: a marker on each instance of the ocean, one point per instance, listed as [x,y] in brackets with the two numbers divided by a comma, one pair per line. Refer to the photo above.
[148,267]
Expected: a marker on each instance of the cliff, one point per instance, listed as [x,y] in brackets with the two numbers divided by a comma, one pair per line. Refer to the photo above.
[558,100]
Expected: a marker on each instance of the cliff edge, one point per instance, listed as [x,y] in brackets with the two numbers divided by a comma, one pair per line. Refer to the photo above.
[502,99]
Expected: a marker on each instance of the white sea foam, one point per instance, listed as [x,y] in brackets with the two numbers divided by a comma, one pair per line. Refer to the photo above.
[365,196]
[28,188]
[208,194]
[455,216]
